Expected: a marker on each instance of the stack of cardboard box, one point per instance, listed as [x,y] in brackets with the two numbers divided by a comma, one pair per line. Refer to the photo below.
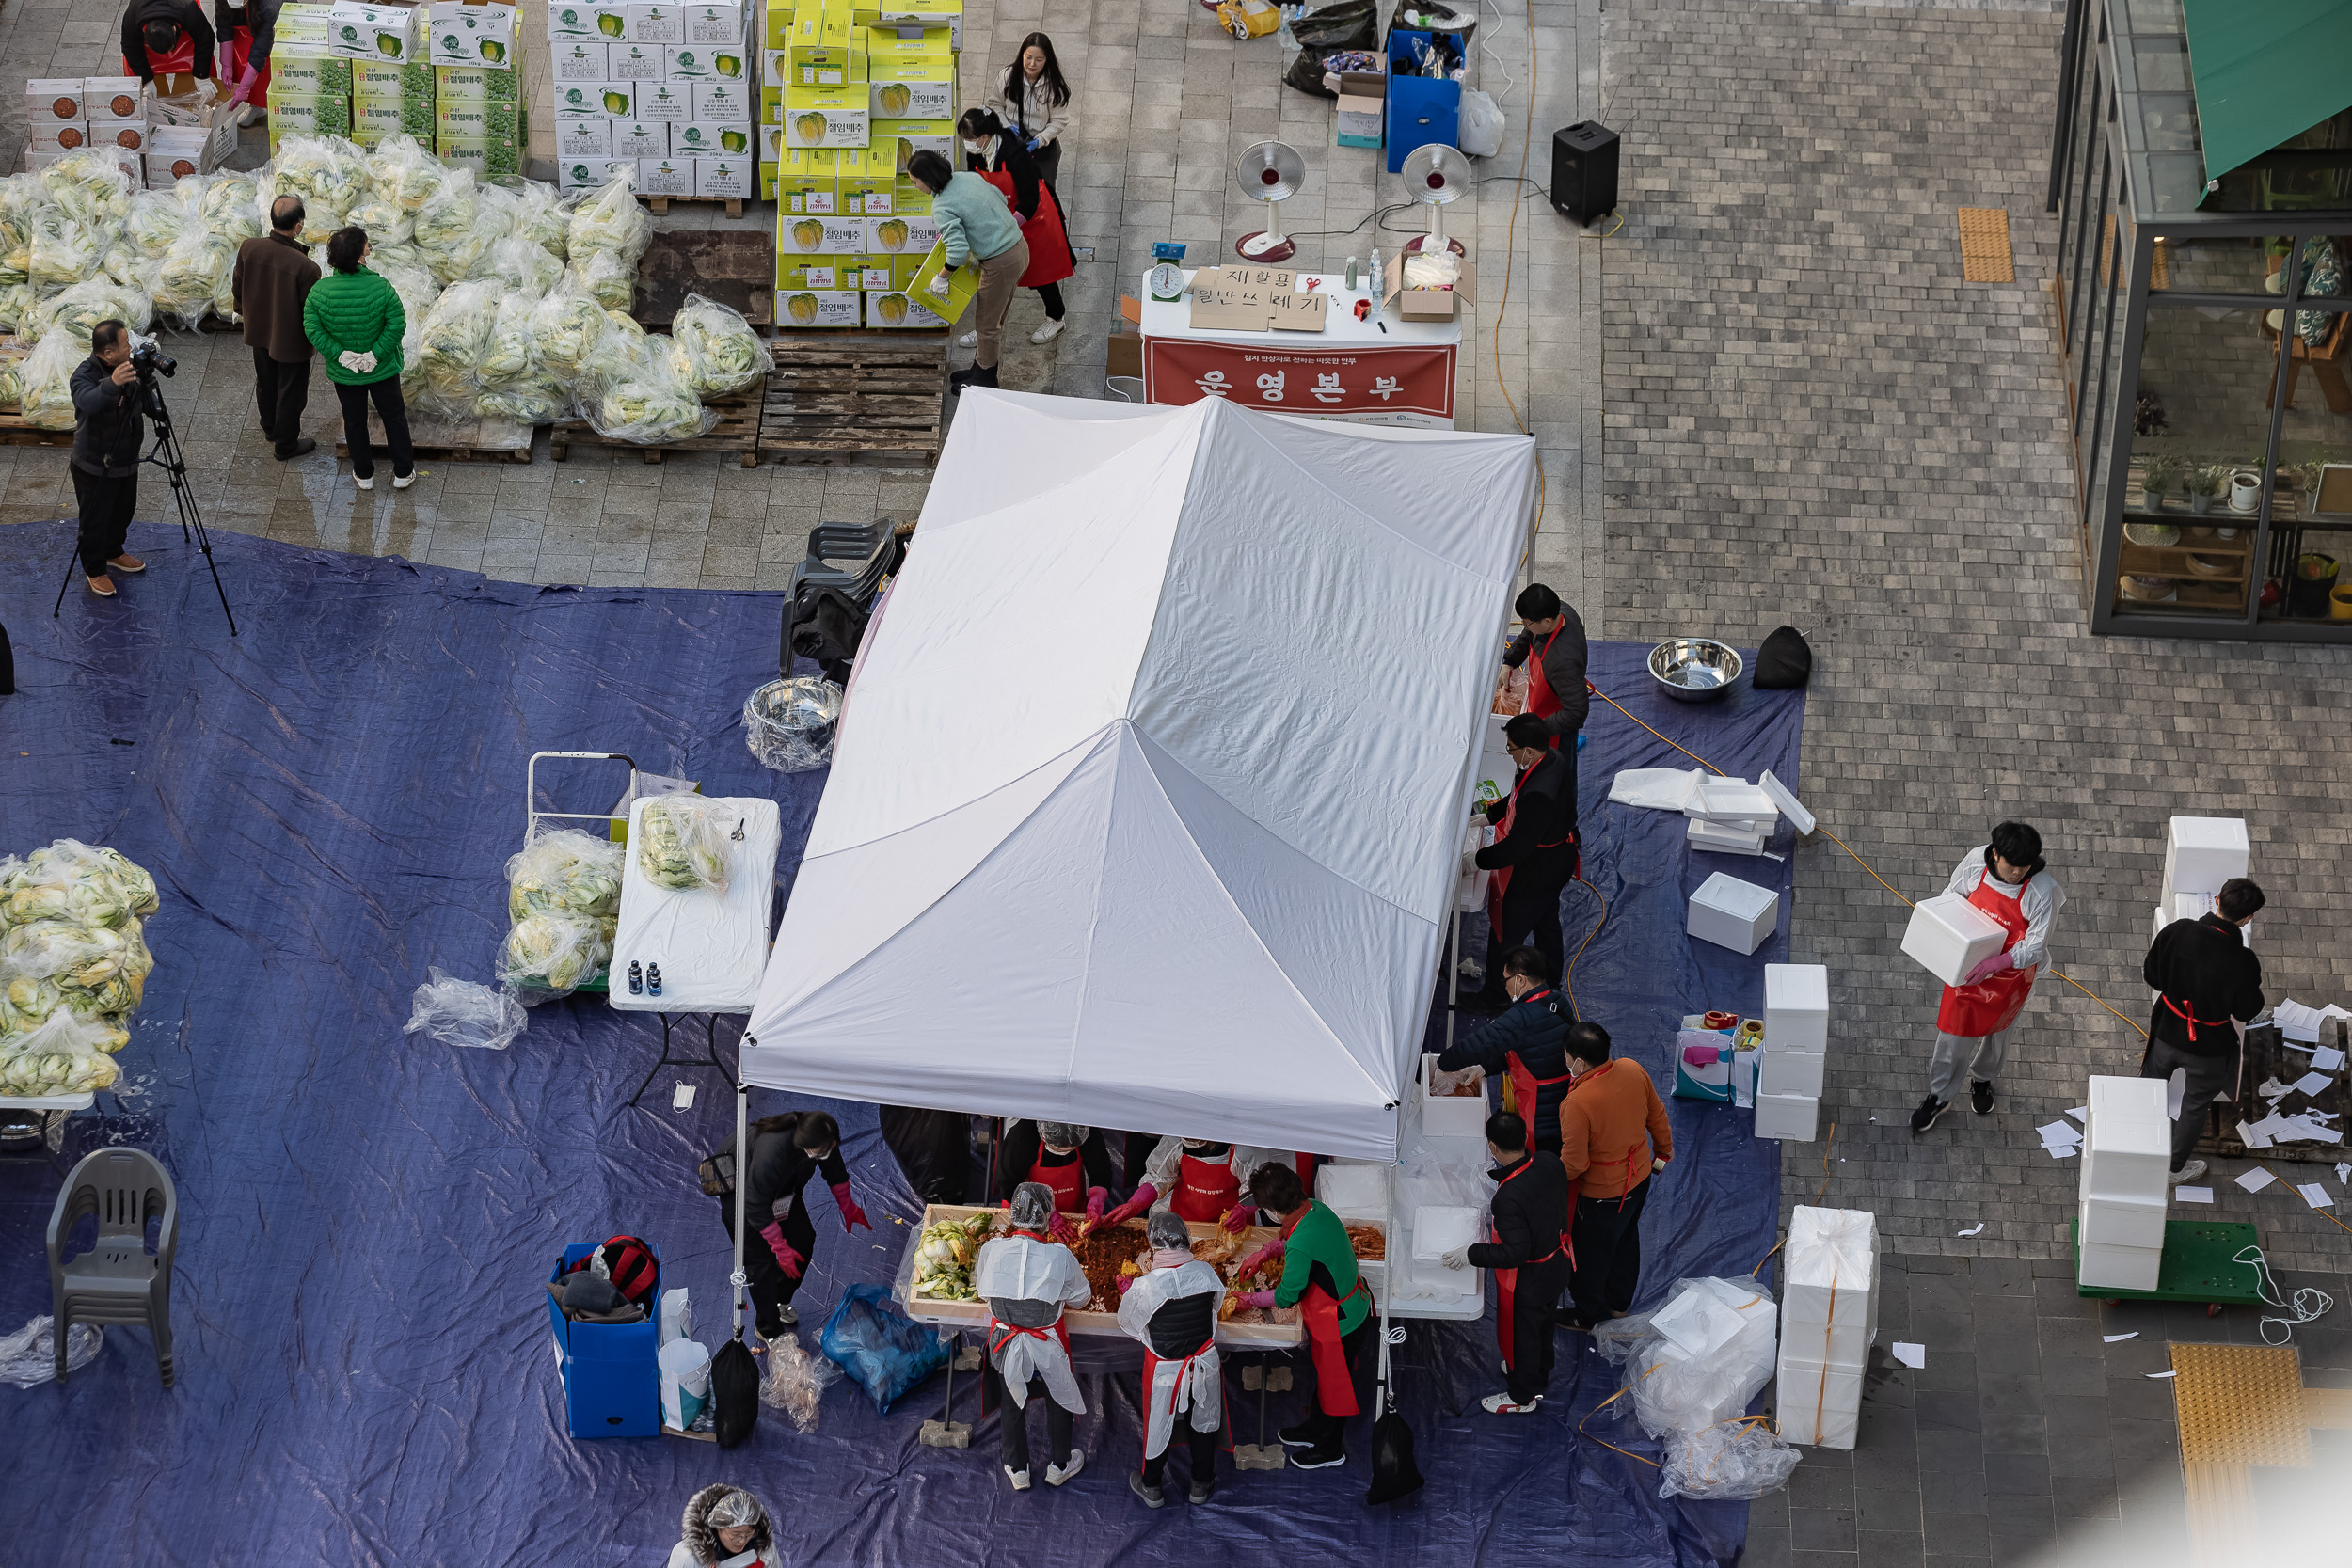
[663,91]
[478,118]
[854,90]
[309,87]
[78,114]
[1828,1318]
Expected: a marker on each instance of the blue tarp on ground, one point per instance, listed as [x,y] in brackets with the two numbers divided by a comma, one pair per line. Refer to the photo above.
[364,1368]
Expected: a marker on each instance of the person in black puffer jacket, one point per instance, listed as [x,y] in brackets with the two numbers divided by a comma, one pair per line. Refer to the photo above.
[723,1522]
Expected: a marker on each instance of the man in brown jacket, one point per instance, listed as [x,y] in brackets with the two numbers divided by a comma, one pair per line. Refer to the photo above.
[271,279]
[1613,1136]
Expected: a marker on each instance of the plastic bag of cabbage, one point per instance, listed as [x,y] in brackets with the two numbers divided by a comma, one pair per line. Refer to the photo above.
[455,339]
[609,218]
[681,841]
[94,970]
[548,955]
[723,354]
[76,311]
[649,405]
[566,872]
[65,1055]
[46,380]
[90,189]
[84,883]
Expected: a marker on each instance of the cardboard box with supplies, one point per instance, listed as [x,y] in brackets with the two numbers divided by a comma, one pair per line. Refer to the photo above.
[1415,290]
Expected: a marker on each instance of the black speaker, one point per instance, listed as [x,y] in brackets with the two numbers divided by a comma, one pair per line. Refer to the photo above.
[1585,171]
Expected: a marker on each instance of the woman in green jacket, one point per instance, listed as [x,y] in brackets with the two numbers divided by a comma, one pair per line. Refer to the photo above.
[354,320]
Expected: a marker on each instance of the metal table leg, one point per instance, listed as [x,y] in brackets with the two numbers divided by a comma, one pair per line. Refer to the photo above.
[709,1057]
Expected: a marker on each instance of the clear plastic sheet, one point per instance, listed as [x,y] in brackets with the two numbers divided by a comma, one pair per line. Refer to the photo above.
[789,724]
[1717,1357]
[1743,1458]
[450,1011]
[28,1358]
[797,1382]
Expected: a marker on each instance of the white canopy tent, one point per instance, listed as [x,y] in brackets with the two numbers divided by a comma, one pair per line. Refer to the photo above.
[1146,812]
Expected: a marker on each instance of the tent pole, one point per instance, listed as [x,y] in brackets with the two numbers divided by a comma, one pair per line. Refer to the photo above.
[741,1281]
[1454,975]
[1381,1401]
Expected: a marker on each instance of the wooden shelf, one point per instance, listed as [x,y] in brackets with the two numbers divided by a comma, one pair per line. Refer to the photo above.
[2172,561]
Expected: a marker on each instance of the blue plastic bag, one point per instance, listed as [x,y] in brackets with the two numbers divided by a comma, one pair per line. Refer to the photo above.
[885,1352]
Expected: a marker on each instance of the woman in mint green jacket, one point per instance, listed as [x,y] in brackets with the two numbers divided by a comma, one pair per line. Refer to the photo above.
[354,318]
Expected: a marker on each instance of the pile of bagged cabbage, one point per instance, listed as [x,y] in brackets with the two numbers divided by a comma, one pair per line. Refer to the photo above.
[563,896]
[73,966]
[516,297]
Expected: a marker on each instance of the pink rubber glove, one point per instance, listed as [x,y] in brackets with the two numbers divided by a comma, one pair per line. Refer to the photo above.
[1271,1251]
[244,94]
[1236,1219]
[852,1215]
[1097,1201]
[1260,1299]
[1128,1209]
[1999,963]
[1058,1228]
[1125,1280]
[788,1260]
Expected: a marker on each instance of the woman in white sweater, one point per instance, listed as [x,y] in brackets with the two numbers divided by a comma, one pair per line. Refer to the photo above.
[1034,102]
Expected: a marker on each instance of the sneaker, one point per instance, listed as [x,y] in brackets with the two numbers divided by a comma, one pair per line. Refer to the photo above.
[102,585]
[402,481]
[1057,1474]
[1020,1479]
[2189,1172]
[788,1317]
[1296,1437]
[127,563]
[1201,1492]
[969,338]
[1319,1459]
[366,484]
[1980,1097]
[1500,1404]
[303,447]
[1924,1118]
[1152,1496]
[1047,333]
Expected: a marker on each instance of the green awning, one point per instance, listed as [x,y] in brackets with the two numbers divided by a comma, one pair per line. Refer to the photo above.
[2266,71]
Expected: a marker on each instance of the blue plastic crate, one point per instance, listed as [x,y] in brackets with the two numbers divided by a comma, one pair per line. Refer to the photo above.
[611,1379]
[1421,109]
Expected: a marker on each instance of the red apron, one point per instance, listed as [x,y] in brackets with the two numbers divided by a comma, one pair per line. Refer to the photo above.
[1993,1005]
[1335,1385]
[1205,1189]
[1500,881]
[1636,1158]
[1542,701]
[1050,257]
[180,62]
[1152,1362]
[1507,1280]
[239,47]
[1069,1182]
[1522,1091]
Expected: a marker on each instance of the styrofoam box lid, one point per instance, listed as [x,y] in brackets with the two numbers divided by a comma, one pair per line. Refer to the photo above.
[2129,1200]
[1742,900]
[1439,1228]
[2209,832]
[2116,1134]
[1736,798]
[1353,1187]
[1697,1322]
[1796,988]
[1832,1246]
[1957,915]
[2126,1096]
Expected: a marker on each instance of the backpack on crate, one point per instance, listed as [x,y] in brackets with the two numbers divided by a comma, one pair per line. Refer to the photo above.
[628,1262]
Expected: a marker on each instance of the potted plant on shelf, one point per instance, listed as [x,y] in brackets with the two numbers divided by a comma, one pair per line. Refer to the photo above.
[2155,482]
[2314,579]
[2204,482]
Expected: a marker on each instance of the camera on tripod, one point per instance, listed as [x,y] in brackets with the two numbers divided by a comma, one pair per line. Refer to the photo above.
[150,360]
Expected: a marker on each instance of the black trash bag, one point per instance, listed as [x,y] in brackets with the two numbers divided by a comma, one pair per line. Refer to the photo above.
[734,1391]
[1784,662]
[1394,1473]
[1328,30]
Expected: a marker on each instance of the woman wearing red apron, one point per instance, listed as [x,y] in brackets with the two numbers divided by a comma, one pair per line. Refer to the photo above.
[1319,1277]
[1072,1162]
[1200,1180]
[1533,856]
[166,38]
[247,29]
[2007,879]
[1004,162]
[1029,1283]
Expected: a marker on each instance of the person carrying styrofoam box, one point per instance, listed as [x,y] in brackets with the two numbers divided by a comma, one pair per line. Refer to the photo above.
[2005,883]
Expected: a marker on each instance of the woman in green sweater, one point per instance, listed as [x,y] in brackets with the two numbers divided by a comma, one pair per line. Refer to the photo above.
[354,318]
[1319,1277]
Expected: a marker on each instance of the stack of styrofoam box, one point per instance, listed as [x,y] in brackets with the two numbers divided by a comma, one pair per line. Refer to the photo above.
[1828,1315]
[1796,1037]
[2199,854]
[1731,817]
[670,87]
[103,113]
[2127,1151]
[1732,914]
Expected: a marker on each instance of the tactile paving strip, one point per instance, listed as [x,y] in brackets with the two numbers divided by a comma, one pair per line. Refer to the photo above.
[1984,253]
[2238,1406]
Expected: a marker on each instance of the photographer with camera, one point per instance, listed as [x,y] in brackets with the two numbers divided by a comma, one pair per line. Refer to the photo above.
[108,431]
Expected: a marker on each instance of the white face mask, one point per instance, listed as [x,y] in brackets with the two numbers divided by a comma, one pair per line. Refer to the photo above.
[976,148]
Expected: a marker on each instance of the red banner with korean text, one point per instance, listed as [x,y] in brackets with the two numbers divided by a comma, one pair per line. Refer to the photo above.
[1366,381]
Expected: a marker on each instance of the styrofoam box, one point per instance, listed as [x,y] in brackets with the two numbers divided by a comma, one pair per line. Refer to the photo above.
[581,60]
[1796,1006]
[2135,1162]
[1948,936]
[572,174]
[1724,838]
[2120,1267]
[1449,1115]
[1791,1072]
[657,24]
[2122,1222]
[577,136]
[1725,800]
[1732,914]
[639,138]
[1439,1228]
[1810,1392]
[113,98]
[59,101]
[725,177]
[633,63]
[1789,1117]
[2202,852]
[2114,1094]
[2175,906]
[1808,1295]
[665,177]
[1845,1346]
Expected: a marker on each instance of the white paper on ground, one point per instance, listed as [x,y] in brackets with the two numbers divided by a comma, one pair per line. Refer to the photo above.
[683,1098]
[2311,1083]
[2298,1022]
[1910,1355]
[2309,1127]
[2193,1195]
[2316,1196]
[2273,1090]
[2080,1112]
[2256,1180]
[2059,1132]
[2163,1374]
[2343,1172]
[2250,1138]
[2327,1058]
[1972,1231]
[2062,1151]
[2119,1339]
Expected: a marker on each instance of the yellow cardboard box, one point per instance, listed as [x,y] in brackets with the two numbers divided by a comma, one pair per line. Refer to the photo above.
[948,302]
[821,273]
[867,182]
[899,310]
[806,308]
[824,117]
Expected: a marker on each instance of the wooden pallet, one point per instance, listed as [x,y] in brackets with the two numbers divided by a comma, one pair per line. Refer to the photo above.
[441,440]
[870,399]
[14,432]
[737,432]
[660,204]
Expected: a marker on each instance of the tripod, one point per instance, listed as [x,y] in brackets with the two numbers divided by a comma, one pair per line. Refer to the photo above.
[165,454]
